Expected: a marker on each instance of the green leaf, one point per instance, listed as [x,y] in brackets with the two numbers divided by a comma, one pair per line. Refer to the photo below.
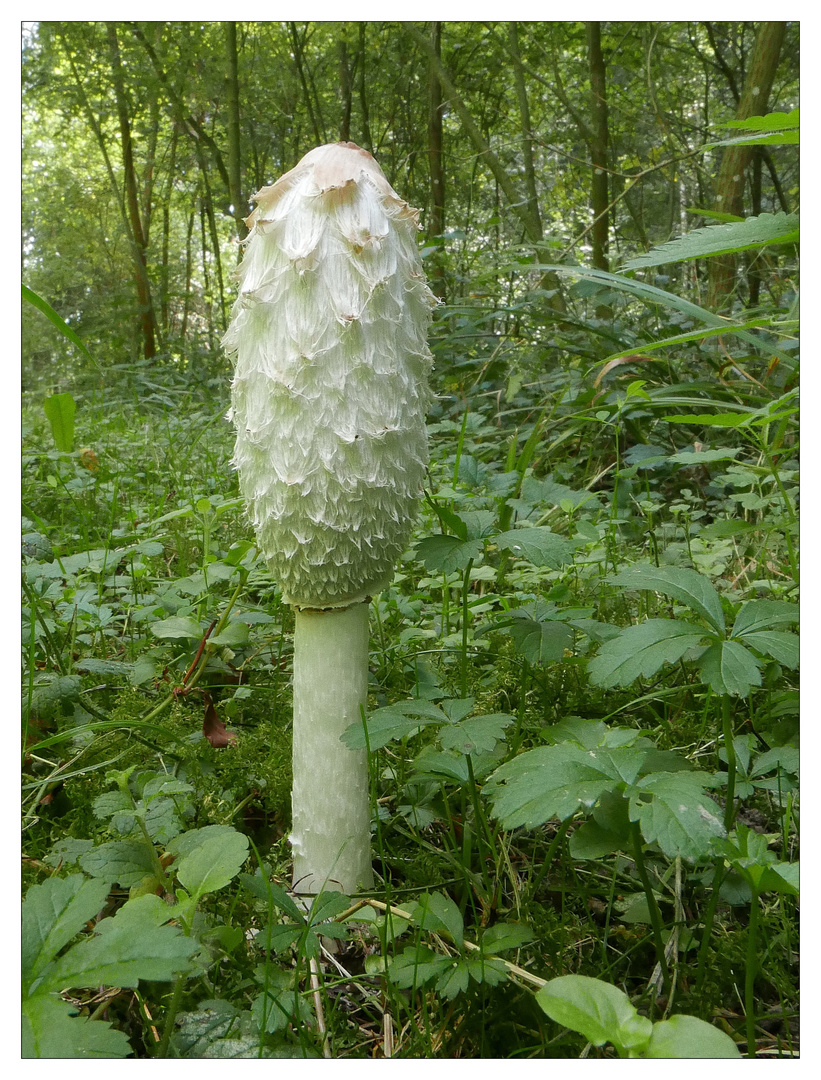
[50,1031]
[477,735]
[687,586]
[126,948]
[705,457]
[538,545]
[539,642]
[689,1037]
[556,781]
[95,666]
[679,817]
[502,937]
[214,862]
[235,633]
[393,722]
[444,554]
[43,305]
[764,615]
[125,861]
[600,1012]
[713,240]
[177,627]
[416,966]
[781,646]
[54,912]
[729,668]
[640,651]
[437,912]
[774,121]
[60,409]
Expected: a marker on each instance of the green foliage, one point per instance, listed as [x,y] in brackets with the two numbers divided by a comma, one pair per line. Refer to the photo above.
[755,232]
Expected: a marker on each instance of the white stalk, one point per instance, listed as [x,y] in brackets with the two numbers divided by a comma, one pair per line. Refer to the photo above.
[331,814]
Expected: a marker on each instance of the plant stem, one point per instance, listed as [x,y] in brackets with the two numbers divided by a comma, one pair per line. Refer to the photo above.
[729,747]
[709,919]
[652,903]
[170,1017]
[465,594]
[750,974]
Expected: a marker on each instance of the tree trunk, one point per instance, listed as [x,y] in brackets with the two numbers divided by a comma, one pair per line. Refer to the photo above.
[300,68]
[345,88]
[138,240]
[367,141]
[436,213]
[526,137]
[234,161]
[729,188]
[599,196]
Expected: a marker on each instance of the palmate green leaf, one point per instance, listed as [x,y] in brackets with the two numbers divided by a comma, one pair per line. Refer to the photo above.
[539,642]
[478,735]
[417,965]
[54,912]
[688,1037]
[538,545]
[687,586]
[778,644]
[556,781]
[50,1031]
[641,650]
[729,668]
[393,722]
[132,945]
[679,817]
[600,1012]
[444,554]
[713,240]
[764,615]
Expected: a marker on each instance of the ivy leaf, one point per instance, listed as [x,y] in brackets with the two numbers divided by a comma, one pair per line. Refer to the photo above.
[729,668]
[640,651]
[538,545]
[686,586]
[679,817]
[555,781]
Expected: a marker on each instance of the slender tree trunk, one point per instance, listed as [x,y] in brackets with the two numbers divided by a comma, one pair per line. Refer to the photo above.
[186,307]
[232,125]
[729,188]
[166,229]
[599,195]
[526,138]
[345,88]
[436,213]
[147,319]
[300,68]
[367,141]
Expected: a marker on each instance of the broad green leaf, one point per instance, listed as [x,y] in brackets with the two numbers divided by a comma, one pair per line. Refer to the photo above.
[125,861]
[713,240]
[393,722]
[594,841]
[780,877]
[641,650]
[50,1031]
[687,586]
[235,633]
[477,735]
[679,817]
[60,409]
[443,764]
[773,121]
[778,644]
[213,863]
[177,626]
[689,1037]
[43,305]
[764,615]
[600,1012]
[54,912]
[126,948]
[538,545]
[729,668]
[444,554]
[502,937]
[437,912]
[540,642]
[556,781]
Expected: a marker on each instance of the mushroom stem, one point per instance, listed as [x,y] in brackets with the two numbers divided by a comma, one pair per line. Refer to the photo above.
[331,813]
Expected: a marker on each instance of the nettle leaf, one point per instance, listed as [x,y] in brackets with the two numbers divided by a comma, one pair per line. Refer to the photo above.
[689,1037]
[213,862]
[778,644]
[538,545]
[641,650]
[679,817]
[50,1030]
[444,554]
[54,912]
[686,586]
[393,722]
[132,945]
[729,668]
[758,615]
[478,735]
[713,240]
[556,781]
[600,1012]
[125,861]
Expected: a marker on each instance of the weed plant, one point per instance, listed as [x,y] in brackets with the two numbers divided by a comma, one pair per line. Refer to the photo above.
[582,725]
